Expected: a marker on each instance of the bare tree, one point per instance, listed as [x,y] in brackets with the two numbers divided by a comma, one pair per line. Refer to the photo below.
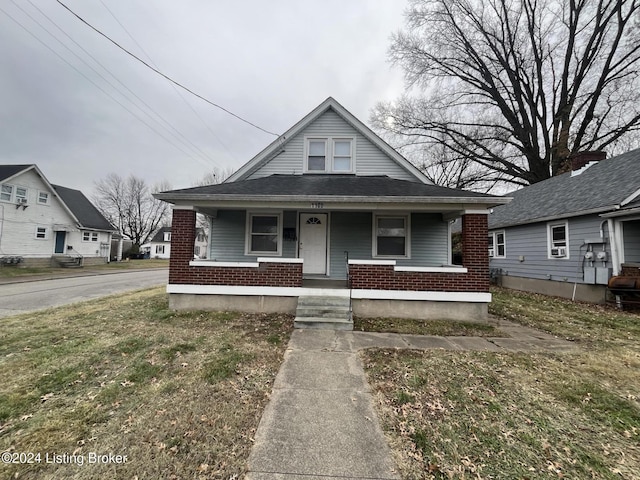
[128,203]
[517,86]
[215,176]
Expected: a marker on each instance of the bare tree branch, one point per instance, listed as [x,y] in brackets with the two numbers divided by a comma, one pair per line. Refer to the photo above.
[129,204]
[516,86]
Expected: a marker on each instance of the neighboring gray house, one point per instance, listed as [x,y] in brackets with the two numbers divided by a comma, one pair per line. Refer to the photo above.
[568,235]
[329,208]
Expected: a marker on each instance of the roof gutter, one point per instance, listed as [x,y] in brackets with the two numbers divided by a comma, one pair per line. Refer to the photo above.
[180,198]
[599,210]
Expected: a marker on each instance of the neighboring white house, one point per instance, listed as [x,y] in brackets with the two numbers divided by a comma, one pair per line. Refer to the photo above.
[160,244]
[47,224]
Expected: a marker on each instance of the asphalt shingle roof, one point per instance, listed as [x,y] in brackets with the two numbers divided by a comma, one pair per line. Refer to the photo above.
[159,236]
[8,171]
[86,213]
[603,185]
[328,185]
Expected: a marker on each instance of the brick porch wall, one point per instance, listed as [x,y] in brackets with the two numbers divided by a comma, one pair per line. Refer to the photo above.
[475,258]
[183,232]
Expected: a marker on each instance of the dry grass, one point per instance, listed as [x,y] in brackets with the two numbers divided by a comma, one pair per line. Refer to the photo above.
[444,328]
[485,415]
[180,394]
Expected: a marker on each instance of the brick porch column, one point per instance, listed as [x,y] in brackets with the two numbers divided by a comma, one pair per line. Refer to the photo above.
[183,234]
[475,248]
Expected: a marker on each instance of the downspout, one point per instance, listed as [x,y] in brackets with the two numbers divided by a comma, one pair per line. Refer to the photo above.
[614,238]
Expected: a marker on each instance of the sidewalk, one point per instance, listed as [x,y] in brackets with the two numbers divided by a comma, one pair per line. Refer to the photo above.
[320,421]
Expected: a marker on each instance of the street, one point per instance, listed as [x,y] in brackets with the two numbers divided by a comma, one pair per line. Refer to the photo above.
[29,296]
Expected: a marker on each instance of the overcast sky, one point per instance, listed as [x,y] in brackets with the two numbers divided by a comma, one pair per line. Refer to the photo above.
[80,108]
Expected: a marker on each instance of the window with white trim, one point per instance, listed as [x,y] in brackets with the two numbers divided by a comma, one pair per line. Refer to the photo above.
[43,198]
[42,233]
[21,195]
[391,236]
[558,240]
[167,236]
[90,236]
[159,249]
[6,192]
[497,244]
[329,155]
[264,234]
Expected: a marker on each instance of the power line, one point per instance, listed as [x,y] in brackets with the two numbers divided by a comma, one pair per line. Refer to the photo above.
[90,80]
[174,131]
[195,112]
[162,74]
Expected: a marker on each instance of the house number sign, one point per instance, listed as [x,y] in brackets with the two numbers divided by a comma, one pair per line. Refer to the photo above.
[317,205]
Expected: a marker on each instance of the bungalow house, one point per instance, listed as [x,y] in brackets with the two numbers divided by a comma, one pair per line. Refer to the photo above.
[329,208]
[568,235]
[44,224]
[160,244]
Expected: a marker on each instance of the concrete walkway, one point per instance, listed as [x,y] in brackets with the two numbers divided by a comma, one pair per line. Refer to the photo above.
[320,422]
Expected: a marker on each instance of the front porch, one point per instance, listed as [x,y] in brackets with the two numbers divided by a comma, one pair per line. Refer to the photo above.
[403,287]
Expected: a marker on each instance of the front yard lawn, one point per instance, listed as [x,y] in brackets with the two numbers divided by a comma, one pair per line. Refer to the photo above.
[486,415]
[179,394]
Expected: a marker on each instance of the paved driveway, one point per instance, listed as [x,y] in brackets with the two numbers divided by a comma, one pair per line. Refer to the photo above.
[28,296]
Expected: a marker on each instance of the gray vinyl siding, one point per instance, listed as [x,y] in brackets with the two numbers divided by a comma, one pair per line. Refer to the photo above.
[353,232]
[631,237]
[228,236]
[370,160]
[348,232]
[429,241]
[530,243]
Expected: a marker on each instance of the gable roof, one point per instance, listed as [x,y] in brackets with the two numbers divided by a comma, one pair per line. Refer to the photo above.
[605,186]
[73,201]
[9,171]
[329,104]
[159,236]
[331,187]
[87,215]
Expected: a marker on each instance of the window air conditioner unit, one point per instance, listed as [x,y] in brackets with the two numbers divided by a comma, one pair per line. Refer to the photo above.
[559,252]
[491,252]
[22,201]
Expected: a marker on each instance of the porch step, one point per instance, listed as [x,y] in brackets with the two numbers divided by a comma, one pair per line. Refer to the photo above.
[323,312]
[68,261]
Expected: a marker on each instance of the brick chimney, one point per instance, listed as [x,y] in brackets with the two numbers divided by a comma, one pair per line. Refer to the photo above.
[580,159]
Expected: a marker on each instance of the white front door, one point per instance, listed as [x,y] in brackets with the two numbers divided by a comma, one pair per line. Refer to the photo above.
[313,243]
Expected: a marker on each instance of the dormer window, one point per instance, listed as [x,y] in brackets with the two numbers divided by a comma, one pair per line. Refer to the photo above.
[329,155]
[167,236]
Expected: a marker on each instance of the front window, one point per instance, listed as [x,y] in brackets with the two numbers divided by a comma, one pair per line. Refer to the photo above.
[21,195]
[41,233]
[342,156]
[391,236]
[5,192]
[159,249]
[317,156]
[330,155]
[558,240]
[89,236]
[263,234]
